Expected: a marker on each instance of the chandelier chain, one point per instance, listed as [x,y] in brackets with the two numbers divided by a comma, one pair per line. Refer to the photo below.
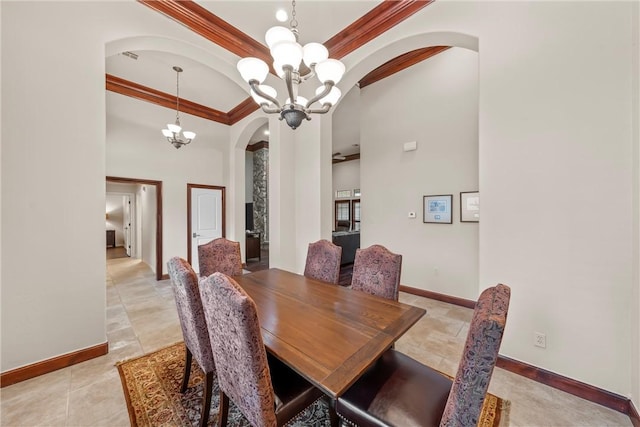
[178,97]
[294,22]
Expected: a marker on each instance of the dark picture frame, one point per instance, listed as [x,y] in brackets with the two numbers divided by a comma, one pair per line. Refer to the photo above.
[469,206]
[437,209]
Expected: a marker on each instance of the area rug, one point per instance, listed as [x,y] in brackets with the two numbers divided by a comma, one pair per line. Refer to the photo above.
[152,382]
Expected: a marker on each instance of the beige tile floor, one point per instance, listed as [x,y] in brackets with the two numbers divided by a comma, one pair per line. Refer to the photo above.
[141,317]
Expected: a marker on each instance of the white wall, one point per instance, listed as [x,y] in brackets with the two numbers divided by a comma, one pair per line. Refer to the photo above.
[555,133]
[53,300]
[556,176]
[436,104]
[53,55]
[147,195]
[635,117]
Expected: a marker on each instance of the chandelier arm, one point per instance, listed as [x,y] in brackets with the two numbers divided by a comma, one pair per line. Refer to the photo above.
[255,86]
[327,88]
[269,109]
[325,109]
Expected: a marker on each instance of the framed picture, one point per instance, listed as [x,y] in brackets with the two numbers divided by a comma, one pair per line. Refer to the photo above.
[469,206]
[437,209]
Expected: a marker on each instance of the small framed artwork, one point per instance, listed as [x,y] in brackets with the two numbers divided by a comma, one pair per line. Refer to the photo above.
[437,209]
[469,206]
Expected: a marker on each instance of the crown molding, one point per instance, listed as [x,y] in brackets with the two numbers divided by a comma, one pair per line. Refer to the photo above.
[399,63]
[242,110]
[144,93]
[347,158]
[378,20]
[257,146]
[211,27]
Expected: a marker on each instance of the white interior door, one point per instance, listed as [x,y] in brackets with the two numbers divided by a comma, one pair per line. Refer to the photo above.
[126,223]
[206,219]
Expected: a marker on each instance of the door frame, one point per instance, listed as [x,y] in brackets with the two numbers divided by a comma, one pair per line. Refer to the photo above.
[158,185]
[224,212]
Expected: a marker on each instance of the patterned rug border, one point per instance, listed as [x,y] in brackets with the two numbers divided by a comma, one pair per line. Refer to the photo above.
[495,411]
[123,381]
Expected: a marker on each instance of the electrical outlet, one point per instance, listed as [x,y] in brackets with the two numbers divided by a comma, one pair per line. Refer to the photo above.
[539,340]
[412,214]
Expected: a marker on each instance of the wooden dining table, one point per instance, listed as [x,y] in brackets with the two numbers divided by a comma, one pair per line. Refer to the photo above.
[327,333]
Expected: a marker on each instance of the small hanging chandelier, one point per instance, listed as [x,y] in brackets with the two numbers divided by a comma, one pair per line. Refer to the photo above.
[294,64]
[173,130]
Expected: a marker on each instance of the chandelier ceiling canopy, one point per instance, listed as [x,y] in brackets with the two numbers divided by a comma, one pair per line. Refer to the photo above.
[294,64]
[174,133]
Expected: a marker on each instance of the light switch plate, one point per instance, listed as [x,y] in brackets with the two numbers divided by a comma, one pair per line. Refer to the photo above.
[410,146]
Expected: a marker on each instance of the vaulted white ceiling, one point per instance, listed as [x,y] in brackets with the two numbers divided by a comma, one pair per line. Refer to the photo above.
[204,84]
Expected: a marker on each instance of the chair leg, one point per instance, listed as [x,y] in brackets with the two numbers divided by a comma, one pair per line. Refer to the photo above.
[224,410]
[206,399]
[187,370]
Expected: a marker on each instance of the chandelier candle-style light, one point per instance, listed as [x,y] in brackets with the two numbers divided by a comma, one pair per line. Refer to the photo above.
[294,64]
[173,130]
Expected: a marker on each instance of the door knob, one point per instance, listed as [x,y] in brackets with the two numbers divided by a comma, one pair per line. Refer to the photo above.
[195,235]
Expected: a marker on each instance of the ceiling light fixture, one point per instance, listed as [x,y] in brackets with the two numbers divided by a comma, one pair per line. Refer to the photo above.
[281,15]
[294,64]
[173,130]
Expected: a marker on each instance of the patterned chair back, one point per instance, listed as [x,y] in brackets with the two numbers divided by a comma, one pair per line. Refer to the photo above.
[234,331]
[376,270]
[190,312]
[323,261]
[220,255]
[478,359]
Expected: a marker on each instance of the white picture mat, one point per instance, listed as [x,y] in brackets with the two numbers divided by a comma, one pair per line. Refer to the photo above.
[437,209]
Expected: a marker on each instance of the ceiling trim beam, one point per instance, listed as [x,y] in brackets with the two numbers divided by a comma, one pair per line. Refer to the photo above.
[242,110]
[144,93]
[257,146]
[399,63]
[213,28]
[381,18]
[347,158]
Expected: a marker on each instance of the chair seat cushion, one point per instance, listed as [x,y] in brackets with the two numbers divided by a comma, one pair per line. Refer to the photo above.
[396,391]
[292,392]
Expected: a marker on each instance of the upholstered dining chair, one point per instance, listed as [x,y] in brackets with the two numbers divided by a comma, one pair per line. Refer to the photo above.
[220,255]
[399,390]
[194,328]
[323,261]
[267,392]
[376,270]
